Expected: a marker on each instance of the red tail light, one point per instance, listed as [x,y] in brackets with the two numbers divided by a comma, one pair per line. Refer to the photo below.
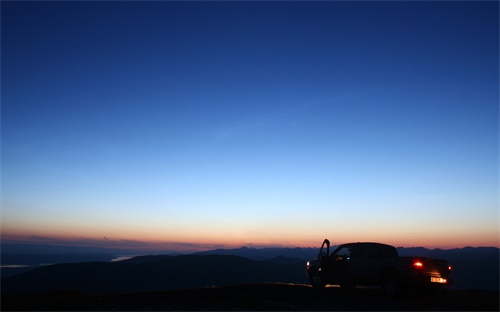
[417,264]
[449,268]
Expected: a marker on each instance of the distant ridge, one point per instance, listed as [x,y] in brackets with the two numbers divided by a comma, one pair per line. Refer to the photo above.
[146,259]
[301,253]
[472,268]
[155,274]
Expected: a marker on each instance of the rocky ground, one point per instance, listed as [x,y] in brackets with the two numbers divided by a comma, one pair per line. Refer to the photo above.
[260,296]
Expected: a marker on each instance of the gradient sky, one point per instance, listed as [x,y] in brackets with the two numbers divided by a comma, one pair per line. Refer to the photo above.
[195,125]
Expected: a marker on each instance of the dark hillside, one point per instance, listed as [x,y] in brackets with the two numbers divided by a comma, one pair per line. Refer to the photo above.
[473,268]
[286,260]
[255,297]
[265,253]
[145,259]
[166,273]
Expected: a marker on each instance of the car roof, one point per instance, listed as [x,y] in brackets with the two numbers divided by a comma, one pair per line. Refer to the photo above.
[368,243]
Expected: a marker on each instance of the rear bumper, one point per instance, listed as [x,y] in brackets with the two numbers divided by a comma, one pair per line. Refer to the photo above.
[430,280]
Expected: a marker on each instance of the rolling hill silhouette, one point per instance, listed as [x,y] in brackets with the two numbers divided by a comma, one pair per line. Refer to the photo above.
[152,273]
[473,268]
[230,282]
[303,254]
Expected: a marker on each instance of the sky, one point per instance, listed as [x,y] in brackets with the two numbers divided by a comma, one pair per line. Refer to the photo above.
[200,125]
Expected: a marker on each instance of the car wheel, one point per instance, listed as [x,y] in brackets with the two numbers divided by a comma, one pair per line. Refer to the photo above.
[316,281]
[391,286]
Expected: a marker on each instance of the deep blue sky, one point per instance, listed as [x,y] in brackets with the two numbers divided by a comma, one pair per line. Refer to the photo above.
[261,123]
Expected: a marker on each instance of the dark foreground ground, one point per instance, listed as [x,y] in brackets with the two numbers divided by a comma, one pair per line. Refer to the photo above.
[261,296]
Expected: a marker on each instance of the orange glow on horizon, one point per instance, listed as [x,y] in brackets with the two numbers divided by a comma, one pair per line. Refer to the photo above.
[197,243]
[208,237]
[159,234]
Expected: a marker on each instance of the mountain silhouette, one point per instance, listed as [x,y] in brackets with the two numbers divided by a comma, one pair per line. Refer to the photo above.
[303,254]
[164,273]
[472,268]
[146,259]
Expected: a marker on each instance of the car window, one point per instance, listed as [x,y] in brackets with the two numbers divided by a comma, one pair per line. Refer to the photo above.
[381,251]
[344,251]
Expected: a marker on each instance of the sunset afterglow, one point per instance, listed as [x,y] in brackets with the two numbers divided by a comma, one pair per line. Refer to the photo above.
[184,126]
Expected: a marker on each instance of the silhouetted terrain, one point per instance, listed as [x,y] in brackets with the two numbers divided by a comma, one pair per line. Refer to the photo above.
[228,282]
[473,268]
[261,296]
[152,273]
[265,253]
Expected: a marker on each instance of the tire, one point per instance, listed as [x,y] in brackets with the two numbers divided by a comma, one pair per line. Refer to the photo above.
[391,286]
[316,281]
